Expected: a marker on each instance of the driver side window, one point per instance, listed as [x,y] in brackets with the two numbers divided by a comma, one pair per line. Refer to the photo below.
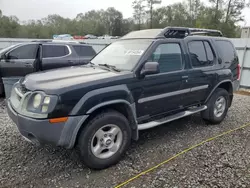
[168,56]
[24,52]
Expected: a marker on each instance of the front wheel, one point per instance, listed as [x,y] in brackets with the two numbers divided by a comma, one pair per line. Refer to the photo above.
[217,106]
[104,140]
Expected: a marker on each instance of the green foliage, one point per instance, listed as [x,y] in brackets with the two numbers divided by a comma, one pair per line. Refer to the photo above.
[219,14]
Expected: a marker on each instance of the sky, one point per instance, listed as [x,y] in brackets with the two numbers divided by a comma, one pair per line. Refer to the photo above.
[37,9]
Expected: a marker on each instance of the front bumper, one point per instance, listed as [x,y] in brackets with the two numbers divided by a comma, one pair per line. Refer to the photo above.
[41,131]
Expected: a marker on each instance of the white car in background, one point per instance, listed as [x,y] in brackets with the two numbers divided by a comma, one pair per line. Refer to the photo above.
[105,37]
[89,36]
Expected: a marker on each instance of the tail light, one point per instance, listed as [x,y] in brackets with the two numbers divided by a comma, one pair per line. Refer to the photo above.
[238,71]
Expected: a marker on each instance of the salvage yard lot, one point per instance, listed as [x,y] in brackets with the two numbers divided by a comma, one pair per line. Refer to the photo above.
[224,162]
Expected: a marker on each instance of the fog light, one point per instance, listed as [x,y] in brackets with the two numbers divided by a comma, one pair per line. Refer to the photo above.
[44,108]
[46,100]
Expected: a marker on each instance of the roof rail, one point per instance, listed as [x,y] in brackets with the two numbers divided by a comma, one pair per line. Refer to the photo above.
[65,41]
[182,32]
[41,40]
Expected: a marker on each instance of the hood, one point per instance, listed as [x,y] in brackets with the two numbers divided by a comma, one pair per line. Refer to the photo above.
[64,78]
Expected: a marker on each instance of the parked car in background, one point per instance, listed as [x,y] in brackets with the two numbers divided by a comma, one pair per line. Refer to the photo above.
[22,59]
[63,37]
[78,37]
[90,37]
[115,37]
[105,37]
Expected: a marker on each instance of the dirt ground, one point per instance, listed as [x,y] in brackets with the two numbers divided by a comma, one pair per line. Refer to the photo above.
[224,162]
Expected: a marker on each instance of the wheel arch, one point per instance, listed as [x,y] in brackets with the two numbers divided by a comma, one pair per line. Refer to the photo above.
[227,85]
[120,105]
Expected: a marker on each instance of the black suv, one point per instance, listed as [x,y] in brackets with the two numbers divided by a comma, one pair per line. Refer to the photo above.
[25,58]
[147,78]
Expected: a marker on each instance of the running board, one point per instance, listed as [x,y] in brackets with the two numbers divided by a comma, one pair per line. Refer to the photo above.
[167,119]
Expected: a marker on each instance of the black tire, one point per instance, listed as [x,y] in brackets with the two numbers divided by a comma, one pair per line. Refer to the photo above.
[1,90]
[87,134]
[209,115]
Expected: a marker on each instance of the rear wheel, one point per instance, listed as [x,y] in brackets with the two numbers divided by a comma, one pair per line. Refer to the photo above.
[1,89]
[104,140]
[217,107]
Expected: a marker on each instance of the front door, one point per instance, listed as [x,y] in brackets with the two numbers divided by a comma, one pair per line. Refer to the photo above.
[163,92]
[19,61]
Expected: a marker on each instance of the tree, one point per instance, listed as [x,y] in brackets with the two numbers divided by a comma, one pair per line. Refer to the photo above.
[223,15]
[151,3]
[139,12]
[234,10]
[113,21]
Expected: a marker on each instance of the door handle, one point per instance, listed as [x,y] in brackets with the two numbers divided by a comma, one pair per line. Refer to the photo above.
[28,65]
[184,77]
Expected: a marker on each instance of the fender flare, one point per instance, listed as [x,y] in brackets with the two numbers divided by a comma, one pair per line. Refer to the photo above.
[211,93]
[95,92]
[131,106]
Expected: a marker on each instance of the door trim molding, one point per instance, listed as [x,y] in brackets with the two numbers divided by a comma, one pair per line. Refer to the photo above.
[165,95]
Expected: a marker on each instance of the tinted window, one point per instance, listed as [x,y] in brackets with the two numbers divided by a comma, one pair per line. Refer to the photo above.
[198,54]
[84,51]
[24,52]
[55,51]
[226,51]
[168,56]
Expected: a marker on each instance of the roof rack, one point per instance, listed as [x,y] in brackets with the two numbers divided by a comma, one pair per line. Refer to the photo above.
[182,32]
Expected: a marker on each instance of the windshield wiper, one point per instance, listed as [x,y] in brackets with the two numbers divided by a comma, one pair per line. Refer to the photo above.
[92,64]
[110,67]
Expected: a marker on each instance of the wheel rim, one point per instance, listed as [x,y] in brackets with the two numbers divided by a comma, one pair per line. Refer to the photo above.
[220,106]
[106,141]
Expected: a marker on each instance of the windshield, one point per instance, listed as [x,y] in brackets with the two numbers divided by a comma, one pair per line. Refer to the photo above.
[124,54]
[9,47]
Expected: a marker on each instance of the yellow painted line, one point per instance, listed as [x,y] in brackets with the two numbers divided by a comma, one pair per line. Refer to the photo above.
[181,153]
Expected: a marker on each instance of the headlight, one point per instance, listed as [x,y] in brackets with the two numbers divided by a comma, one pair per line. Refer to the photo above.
[40,103]
[37,100]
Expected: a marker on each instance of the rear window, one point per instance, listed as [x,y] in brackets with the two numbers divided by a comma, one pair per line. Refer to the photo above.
[84,50]
[201,54]
[55,51]
[226,51]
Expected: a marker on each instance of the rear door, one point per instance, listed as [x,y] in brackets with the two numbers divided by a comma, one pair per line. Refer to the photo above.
[84,52]
[56,56]
[202,75]
[19,61]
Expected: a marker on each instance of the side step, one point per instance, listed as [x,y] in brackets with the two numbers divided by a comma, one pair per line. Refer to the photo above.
[167,119]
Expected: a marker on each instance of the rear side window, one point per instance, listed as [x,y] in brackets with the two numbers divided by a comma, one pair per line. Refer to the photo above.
[226,51]
[55,51]
[201,54]
[84,51]
[24,52]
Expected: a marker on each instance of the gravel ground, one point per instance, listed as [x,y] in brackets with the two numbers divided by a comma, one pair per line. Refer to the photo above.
[224,162]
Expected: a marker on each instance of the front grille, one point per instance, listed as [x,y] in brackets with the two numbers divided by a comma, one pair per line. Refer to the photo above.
[17,95]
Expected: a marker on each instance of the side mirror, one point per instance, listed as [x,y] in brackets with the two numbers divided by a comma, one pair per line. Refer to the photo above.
[150,68]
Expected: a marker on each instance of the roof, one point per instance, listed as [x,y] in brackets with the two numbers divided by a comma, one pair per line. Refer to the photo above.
[171,32]
[57,42]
